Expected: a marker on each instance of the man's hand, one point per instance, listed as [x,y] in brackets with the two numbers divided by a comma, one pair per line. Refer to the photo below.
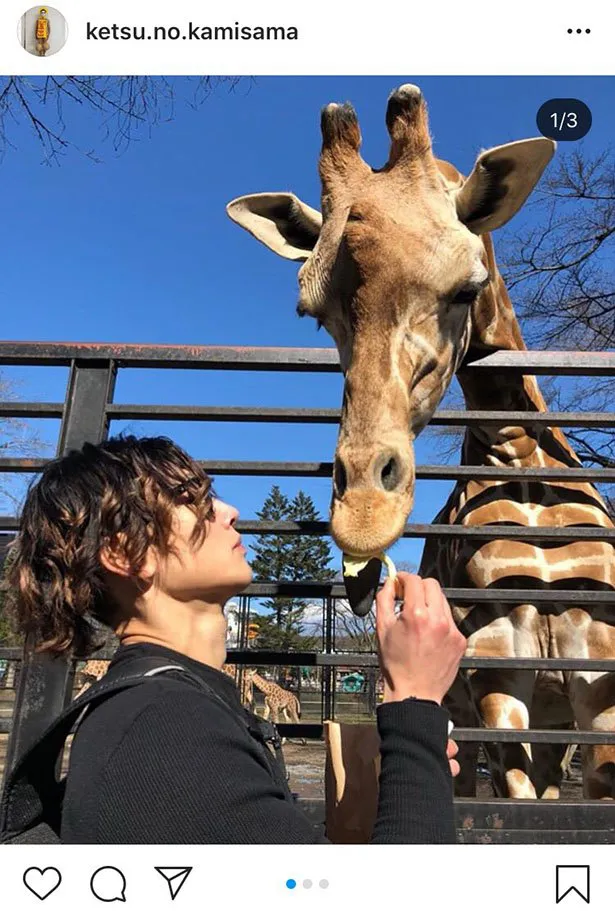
[451,750]
[420,647]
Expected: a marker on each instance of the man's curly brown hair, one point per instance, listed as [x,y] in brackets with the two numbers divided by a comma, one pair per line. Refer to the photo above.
[120,493]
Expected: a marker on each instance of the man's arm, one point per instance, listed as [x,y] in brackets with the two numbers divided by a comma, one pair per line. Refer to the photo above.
[415,804]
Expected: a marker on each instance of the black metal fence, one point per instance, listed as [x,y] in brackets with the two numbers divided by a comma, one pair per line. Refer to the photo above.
[45,685]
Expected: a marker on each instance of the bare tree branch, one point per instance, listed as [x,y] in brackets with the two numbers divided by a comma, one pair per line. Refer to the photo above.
[18,439]
[128,106]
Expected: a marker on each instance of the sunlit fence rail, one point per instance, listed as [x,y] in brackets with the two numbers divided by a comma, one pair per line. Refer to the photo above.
[86,415]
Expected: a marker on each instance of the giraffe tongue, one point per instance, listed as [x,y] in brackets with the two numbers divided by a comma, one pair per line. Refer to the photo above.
[361,589]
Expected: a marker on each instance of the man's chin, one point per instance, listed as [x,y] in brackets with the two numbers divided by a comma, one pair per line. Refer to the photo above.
[240,582]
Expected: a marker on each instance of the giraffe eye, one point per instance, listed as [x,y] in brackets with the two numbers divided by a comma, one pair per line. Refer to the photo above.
[467,295]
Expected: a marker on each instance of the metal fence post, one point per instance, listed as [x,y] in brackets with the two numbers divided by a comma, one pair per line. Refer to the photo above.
[328,692]
[43,688]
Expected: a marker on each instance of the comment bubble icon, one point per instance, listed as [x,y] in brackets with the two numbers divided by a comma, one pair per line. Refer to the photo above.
[108,884]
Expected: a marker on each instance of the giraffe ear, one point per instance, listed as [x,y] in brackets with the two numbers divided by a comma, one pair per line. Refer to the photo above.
[281,221]
[502,180]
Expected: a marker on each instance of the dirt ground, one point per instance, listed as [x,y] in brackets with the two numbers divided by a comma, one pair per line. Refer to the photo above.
[306,765]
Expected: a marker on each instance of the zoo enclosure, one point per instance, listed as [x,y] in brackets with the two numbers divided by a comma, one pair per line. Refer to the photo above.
[86,413]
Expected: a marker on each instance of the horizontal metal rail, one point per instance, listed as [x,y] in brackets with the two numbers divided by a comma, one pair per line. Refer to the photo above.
[481,532]
[31,409]
[478,532]
[325,470]
[270,658]
[247,414]
[202,357]
[514,821]
[252,414]
[22,465]
[483,735]
[315,731]
[337,591]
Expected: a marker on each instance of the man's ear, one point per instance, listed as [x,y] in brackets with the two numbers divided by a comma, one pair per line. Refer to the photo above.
[501,181]
[282,222]
[114,559]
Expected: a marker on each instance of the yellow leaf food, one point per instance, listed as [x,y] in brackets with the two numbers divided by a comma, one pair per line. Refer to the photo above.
[354,565]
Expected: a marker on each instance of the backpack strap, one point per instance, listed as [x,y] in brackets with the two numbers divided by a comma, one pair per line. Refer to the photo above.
[260,730]
[31,790]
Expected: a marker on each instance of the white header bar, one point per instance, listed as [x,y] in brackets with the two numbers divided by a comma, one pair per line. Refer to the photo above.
[341,37]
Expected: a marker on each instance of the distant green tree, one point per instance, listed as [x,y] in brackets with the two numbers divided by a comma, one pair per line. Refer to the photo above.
[288,558]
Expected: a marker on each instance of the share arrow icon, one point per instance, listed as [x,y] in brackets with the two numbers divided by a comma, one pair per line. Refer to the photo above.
[175,877]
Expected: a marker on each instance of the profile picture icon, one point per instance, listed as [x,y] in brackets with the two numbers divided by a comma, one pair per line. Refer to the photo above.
[42,31]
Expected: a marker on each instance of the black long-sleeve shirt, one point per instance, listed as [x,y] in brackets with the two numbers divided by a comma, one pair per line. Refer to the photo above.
[165,763]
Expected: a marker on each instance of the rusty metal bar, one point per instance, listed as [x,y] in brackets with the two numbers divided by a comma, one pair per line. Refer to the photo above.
[31,409]
[509,821]
[22,465]
[315,731]
[423,472]
[268,657]
[325,470]
[44,680]
[455,595]
[545,363]
[482,532]
[235,414]
[195,357]
[262,414]
[462,595]
[588,363]
[484,735]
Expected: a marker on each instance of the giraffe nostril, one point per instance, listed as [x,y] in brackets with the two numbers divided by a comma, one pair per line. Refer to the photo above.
[390,475]
[339,477]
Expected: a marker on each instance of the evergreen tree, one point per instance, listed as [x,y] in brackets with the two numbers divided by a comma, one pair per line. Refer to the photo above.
[288,558]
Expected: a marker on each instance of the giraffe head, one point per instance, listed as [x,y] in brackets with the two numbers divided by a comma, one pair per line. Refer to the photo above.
[393,269]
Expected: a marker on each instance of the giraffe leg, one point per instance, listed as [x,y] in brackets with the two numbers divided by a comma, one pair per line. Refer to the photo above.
[456,701]
[294,718]
[266,710]
[566,763]
[551,712]
[275,717]
[548,768]
[503,699]
[593,700]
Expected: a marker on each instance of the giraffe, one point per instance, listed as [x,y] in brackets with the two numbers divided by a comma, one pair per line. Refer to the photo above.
[277,699]
[246,692]
[399,267]
[93,671]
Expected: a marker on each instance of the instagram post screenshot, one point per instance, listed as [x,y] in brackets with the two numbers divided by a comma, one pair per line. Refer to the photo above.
[307,454]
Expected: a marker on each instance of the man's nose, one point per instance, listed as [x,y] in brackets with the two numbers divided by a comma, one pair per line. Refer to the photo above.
[227,513]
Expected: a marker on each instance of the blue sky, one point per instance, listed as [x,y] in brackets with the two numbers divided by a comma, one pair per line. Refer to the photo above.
[138,248]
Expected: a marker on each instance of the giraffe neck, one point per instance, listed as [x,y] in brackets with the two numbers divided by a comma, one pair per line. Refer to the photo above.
[494,327]
[263,685]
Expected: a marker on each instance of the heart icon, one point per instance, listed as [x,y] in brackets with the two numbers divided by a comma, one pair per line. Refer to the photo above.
[42,882]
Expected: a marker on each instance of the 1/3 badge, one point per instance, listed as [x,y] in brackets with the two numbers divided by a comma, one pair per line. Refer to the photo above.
[565,119]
